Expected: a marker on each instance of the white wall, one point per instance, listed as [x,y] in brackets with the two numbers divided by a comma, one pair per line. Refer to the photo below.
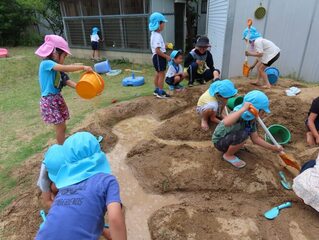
[288,23]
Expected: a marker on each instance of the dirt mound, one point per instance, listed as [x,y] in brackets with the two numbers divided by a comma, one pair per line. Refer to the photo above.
[232,216]
[186,168]
[184,126]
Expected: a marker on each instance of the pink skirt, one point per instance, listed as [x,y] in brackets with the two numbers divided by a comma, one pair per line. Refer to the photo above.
[54,109]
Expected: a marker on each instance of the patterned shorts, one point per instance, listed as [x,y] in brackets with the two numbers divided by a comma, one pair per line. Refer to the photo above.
[233,138]
[54,109]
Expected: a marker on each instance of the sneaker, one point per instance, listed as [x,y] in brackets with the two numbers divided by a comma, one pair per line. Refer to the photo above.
[202,82]
[163,95]
[191,85]
[155,93]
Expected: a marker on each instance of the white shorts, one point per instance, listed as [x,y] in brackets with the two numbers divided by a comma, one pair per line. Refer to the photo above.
[208,106]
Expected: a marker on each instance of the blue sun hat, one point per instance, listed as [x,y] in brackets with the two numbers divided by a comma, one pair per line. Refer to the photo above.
[258,99]
[253,35]
[224,88]
[95,30]
[54,158]
[84,158]
[174,55]
[154,21]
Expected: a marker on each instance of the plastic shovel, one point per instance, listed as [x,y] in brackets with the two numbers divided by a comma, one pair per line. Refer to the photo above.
[42,214]
[284,182]
[274,212]
[290,162]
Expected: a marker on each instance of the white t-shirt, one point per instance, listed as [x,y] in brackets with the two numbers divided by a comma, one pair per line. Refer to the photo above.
[157,41]
[268,48]
[95,38]
[172,70]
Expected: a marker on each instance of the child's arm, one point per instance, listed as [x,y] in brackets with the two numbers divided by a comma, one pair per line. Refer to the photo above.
[46,199]
[261,142]
[254,54]
[116,221]
[233,117]
[213,118]
[71,83]
[161,54]
[311,124]
[72,68]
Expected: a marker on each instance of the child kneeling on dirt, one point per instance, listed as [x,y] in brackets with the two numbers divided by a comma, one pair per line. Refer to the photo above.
[231,134]
[312,123]
[86,191]
[174,74]
[212,103]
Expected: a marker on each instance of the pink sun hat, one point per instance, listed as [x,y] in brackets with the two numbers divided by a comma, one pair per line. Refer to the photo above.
[50,43]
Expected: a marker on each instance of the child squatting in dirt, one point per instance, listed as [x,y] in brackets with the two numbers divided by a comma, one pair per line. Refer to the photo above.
[86,190]
[211,104]
[312,123]
[232,133]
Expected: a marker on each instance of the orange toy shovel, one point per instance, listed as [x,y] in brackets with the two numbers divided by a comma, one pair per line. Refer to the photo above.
[287,160]
[246,67]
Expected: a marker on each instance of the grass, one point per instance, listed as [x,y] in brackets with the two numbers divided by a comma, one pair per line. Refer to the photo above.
[22,131]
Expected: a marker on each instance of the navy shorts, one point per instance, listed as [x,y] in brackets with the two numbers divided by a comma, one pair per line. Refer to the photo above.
[274,59]
[309,164]
[170,80]
[95,45]
[159,63]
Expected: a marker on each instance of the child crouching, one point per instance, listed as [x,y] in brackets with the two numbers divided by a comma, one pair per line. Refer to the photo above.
[175,74]
[212,103]
[232,133]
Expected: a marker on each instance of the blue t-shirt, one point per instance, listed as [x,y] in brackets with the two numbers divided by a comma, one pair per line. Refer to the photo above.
[47,78]
[78,210]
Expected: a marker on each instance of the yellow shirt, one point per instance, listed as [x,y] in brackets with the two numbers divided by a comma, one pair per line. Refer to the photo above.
[206,98]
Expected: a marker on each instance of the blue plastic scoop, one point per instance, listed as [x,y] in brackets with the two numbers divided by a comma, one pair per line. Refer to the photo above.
[274,212]
[42,214]
[284,182]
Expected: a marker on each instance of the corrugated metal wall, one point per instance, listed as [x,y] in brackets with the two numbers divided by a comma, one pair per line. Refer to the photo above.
[291,24]
[216,27]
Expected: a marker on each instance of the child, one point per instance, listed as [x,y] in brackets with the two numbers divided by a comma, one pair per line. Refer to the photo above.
[174,74]
[156,26]
[212,103]
[266,52]
[305,185]
[53,107]
[231,134]
[200,64]
[312,123]
[86,191]
[95,39]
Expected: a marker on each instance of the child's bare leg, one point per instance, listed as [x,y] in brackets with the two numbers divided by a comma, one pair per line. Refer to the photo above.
[205,118]
[177,79]
[93,54]
[261,71]
[310,139]
[156,80]
[106,234]
[230,154]
[60,132]
[160,80]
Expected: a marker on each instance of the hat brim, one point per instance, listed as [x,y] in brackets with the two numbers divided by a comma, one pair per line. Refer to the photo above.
[203,45]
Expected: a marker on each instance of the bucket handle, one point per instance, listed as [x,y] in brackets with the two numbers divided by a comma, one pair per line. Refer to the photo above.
[98,77]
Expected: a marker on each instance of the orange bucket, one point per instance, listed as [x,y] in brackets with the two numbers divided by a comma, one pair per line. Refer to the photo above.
[90,85]
[246,69]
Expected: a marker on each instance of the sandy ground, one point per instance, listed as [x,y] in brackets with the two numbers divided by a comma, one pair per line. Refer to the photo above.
[174,185]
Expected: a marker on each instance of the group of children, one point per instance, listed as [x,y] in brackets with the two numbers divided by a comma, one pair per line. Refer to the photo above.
[75,176]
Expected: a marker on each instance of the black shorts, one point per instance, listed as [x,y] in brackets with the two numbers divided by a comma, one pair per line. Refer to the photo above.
[170,80]
[274,59]
[233,138]
[95,45]
[159,63]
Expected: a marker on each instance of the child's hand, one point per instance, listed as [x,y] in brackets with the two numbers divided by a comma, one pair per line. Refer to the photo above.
[246,106]
[87,69]
[168,58]
[247,53]
[278,149]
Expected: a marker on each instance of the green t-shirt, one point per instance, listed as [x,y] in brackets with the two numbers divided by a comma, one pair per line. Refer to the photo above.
[221,130]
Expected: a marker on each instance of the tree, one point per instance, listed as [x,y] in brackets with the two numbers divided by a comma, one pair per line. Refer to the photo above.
[191,22]
[48,10]
[14,19]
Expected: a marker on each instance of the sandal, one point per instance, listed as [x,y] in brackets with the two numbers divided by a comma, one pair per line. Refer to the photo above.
[237,163]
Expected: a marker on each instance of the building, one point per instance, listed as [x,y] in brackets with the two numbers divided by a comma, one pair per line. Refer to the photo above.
[291,24]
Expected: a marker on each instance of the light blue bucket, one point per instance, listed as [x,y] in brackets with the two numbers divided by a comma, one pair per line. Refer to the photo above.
[102,67]
[273,74]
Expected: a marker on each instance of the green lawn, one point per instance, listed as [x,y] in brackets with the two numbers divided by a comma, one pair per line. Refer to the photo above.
[22,131]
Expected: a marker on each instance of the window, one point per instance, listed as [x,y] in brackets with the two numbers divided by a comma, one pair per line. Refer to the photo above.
[75,34]
[132,6]
[204,7]
[90,8]
[110,7]
[72,8]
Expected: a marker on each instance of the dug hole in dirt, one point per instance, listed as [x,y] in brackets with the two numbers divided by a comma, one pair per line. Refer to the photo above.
[174,184]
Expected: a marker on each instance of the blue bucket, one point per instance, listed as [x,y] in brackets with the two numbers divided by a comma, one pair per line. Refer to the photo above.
[273,74]
[102,67]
